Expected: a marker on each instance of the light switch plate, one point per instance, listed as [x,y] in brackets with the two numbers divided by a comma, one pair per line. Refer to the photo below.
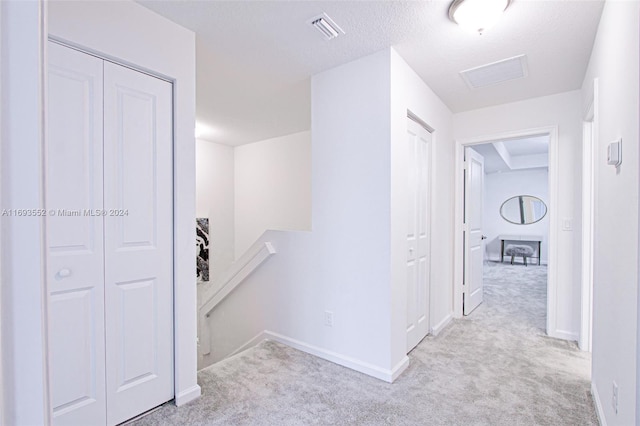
[614,153]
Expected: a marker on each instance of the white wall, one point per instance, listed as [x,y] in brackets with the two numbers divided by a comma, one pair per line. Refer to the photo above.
[272,187]
[351,202]
[614,62]
[498,187]
[564,111]
[131,34]
[215,200]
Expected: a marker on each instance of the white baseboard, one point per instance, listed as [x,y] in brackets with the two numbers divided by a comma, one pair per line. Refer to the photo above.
[188,395]
[596,401]
[435,330]
[399,368]
[564,335]
[345,361]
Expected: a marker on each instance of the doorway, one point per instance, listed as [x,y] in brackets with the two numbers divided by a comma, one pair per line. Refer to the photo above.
[496,244]
[506,225]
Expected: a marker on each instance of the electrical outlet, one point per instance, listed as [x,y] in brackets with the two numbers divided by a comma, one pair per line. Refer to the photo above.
[328,318]
[614,398]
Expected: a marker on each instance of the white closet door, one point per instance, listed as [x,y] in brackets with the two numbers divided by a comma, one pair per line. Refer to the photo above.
[75,268]
[418,237]
[138,241]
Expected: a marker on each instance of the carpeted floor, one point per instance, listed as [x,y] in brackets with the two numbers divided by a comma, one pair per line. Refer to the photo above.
[495,367]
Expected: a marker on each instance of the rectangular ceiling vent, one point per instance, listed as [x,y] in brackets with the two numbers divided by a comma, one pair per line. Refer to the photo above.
[496,72]
[326,26]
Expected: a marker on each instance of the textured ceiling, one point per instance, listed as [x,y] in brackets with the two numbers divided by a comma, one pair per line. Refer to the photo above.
[255,58]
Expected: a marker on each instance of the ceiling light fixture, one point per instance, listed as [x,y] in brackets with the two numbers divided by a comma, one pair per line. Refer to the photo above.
[477,15]
[326,26]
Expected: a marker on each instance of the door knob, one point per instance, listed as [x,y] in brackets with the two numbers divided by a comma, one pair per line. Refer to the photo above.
[63,273]
[484,237]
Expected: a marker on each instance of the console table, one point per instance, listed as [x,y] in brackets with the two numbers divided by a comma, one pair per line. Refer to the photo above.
[521,238]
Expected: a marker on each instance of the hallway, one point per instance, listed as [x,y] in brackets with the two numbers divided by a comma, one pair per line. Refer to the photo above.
[495,367]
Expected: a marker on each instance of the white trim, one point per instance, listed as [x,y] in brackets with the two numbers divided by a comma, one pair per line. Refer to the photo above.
[188,395]
[458,233]
[345,361]
[236,274]
[415,118]
[552,267]
[552,277]
[25,396]
[352,363]
[250,343]
[598,404]
[442,324]
[44,52]
[589,145]
[3,345]
[399,368]
[223,286]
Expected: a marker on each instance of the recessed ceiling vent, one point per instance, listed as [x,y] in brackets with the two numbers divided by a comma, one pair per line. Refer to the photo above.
[326,26]
[496,72]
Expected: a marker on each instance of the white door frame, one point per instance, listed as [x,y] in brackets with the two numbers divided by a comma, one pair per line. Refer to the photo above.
[589,134]
[552,279]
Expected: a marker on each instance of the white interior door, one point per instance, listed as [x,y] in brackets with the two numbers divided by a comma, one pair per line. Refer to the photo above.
[138,241]
[75,254]
[419,142]
[473,238]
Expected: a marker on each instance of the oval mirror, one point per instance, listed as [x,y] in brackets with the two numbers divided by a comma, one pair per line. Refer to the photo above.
[523,209]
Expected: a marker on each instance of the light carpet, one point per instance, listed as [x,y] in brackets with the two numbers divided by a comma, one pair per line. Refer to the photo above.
[494,367]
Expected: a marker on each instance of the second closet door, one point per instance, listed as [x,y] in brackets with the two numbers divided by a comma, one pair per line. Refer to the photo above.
[138,194]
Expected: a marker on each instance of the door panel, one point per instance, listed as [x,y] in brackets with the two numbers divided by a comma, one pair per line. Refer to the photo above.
[138,242]
[419,140]
[75,265]
[474,244]
[137,299]
[135,152]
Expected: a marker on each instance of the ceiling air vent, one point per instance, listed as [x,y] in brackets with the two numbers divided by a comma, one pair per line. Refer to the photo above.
[496,72]
[326,26]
